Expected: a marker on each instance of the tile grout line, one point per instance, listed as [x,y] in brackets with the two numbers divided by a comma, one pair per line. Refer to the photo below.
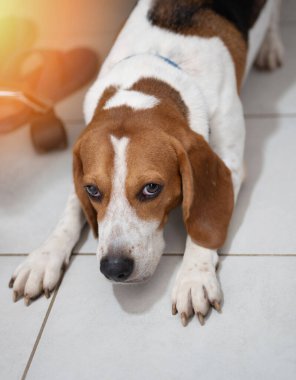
[170,254]
[34,349]
[287,22]
[269,116]
[257,254]
[39,336]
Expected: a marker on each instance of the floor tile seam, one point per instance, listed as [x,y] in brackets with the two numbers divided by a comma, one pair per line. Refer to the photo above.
[258,254]
[25,254]
[286,115]
[220,254]
[284,23]
[165,254]
[41,330]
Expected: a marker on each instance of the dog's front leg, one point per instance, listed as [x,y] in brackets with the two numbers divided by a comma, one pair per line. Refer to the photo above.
[42,269]
[196,287]
[228,135]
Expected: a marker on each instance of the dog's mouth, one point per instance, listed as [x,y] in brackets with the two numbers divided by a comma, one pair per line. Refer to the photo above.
[130,282]
[136,281]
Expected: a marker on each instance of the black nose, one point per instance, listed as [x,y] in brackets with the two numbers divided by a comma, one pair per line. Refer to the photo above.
[117,268]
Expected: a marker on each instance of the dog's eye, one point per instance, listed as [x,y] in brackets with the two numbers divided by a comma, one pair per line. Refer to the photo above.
[151,190]
[93,192]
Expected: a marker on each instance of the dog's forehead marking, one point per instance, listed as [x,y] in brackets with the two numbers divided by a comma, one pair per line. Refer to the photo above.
[118,207]
[130,98]
[120,169]
[121,231]
[120,216]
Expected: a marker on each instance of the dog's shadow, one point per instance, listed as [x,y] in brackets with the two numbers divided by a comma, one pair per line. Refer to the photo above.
[256,141]
[274,86]
[137,299]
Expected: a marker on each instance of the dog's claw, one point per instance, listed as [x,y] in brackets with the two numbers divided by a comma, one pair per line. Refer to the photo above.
[174,309]
[11,282]
[47,293]
[201,318]
[15,296]
[184,319]
[27,300]
[65,266]
[217,306]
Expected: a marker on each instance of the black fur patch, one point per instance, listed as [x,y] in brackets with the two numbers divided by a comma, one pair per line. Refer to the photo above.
[179,15]
[242,13]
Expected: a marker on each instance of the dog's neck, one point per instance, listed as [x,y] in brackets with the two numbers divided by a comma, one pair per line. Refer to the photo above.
[149,75]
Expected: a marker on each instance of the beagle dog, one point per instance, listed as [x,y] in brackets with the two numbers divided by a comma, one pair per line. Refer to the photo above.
[164,127]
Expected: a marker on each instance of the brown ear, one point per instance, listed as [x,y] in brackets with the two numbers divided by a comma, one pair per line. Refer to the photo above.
[207,192]
[89,212]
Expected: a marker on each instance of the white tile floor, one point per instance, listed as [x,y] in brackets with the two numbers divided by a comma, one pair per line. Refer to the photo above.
[90,329]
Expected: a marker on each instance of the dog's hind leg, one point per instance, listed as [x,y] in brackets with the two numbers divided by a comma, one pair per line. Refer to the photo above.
[271,53]
[42,269]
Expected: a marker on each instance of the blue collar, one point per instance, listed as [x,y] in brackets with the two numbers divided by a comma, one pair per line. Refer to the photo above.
[169,61]
[165,59]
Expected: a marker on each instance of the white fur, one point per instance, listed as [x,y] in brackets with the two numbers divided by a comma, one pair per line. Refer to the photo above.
[126,72]
[258,32]
[134,99]
[42,268]
[271,53]
[206,82]
[196,285]
[122,231]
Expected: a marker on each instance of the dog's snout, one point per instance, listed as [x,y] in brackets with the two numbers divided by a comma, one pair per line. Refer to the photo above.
[117,268]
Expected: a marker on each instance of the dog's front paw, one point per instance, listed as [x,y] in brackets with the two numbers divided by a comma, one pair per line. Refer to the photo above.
[40,272]
[196,289]
[271,53]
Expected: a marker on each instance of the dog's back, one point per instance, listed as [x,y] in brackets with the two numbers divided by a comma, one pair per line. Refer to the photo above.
[178,29]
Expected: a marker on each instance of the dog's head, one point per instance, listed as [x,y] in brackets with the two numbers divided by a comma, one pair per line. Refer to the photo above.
[129,174]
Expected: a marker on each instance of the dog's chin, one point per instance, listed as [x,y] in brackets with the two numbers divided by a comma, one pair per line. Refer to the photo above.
[131,282]
[135,281]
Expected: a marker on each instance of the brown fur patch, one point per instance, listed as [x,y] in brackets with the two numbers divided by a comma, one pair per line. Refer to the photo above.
[93,165]
[204,23]
[164,150]
[163,92]
[208,198]
[153,160]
